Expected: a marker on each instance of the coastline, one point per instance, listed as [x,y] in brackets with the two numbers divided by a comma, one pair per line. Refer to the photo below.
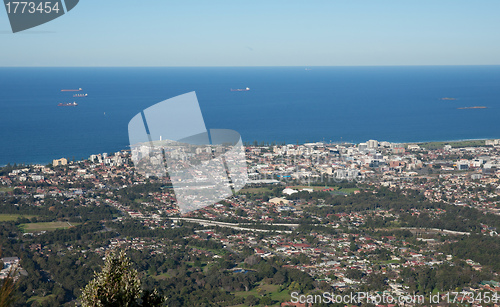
[447,142]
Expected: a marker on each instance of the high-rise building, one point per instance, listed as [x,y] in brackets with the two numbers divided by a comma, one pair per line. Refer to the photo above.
[61,161]
[372,144]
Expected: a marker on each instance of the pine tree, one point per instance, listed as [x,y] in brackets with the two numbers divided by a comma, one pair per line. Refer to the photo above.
[7,290]
[118,285]
[8,287]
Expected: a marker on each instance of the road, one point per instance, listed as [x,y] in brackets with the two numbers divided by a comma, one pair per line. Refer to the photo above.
[235,226]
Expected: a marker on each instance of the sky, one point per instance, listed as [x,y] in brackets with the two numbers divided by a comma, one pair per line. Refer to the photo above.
[260,33]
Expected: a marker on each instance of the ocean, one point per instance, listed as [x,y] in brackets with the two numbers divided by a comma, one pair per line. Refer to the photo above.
[284,104]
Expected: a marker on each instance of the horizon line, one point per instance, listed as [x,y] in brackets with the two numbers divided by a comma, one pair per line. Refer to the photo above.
[255,66]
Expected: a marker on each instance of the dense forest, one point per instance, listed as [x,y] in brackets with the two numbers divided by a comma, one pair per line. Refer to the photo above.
[480,248]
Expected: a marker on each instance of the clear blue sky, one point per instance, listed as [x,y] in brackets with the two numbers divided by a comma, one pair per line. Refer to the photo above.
[260,33]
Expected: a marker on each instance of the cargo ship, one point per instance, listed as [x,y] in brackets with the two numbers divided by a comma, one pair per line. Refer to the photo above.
[80,95]
[240,89]
[476,107]
[72,90]
[70,104]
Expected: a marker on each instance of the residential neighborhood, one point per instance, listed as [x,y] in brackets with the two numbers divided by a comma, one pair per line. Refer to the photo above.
[374,217]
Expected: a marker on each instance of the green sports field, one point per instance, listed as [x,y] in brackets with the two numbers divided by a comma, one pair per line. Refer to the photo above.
[48,226]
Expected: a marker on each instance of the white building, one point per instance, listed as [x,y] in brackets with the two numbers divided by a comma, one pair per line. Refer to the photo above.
[289,191]
[372,144]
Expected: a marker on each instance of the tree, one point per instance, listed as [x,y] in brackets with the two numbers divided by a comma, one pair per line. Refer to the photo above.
[251,300]
[266,301]
[8,287]
[354,274]
[279,278]
[117,285]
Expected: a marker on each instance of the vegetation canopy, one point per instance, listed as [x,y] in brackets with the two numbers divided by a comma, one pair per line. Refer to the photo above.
[117,285]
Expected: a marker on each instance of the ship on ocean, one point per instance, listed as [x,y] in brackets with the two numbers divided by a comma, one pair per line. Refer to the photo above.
[80,95]
[240,89]
[475,107]
[72,90]
[70,104]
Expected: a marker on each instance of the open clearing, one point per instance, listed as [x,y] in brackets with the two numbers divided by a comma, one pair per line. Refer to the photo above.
[271,290]
[49,226]
[13,217]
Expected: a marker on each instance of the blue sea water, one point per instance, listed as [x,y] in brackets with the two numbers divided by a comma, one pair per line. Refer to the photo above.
[285,104]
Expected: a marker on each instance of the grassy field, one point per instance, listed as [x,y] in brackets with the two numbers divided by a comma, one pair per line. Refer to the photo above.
[272,290]
[254,190]
[12,217]
[40,299]
[49,226]
[4,189]
[321,188]
[315,188]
